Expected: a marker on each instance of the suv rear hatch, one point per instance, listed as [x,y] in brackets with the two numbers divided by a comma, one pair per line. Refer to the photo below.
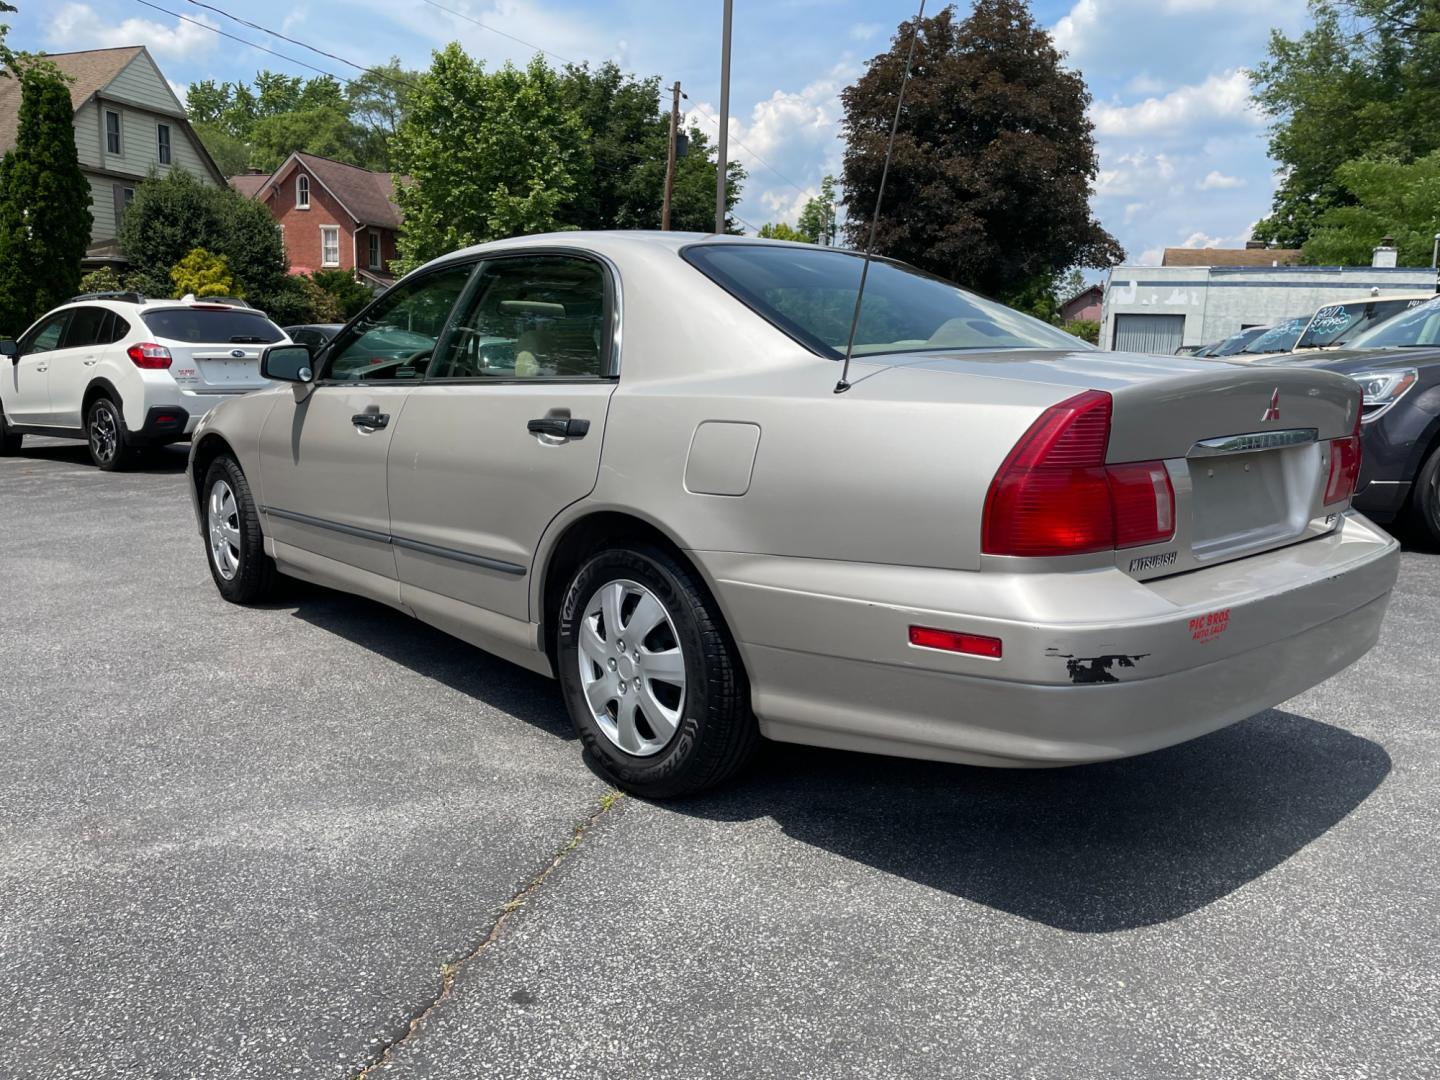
[214,348]
[1248,451]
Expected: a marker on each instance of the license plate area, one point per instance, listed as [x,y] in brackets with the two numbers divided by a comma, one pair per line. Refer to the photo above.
[1245,500]
[229,371]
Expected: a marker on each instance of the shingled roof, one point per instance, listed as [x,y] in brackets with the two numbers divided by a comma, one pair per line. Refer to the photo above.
[1258,256]
[89,72]
[369,197]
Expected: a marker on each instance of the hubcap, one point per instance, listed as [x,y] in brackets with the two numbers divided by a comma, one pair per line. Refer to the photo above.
[632,668]
[102,433]
[222,520]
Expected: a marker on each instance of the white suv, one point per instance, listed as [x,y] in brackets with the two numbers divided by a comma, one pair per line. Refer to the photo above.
[122,372]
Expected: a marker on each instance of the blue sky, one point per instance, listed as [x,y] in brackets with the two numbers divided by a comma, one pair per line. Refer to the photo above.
[1182,153]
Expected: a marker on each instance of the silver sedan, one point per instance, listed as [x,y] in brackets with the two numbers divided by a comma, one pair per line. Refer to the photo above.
[620,459]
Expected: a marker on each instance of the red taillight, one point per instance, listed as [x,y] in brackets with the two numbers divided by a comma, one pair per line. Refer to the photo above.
[953,641]
[1054,495]
[146,354]
[1344,469]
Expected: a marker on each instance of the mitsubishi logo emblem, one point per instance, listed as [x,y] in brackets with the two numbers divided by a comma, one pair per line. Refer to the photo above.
[1273,412]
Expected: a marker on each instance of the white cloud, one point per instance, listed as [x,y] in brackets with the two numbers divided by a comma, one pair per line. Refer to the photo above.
[1216,180]
[180,90]
[79,26]
[1200,240]
[1222,100]
[865,31]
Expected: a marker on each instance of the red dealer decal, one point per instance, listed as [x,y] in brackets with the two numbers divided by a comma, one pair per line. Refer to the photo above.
[1205,627]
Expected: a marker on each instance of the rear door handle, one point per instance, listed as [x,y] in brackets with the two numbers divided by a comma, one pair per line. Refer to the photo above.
[372,420]
[559,427]
[90,361]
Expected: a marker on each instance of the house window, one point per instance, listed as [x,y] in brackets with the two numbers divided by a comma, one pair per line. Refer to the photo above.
[302,192]
[162,143]
[112,132]
[123,196]
[374,250]
[329,245]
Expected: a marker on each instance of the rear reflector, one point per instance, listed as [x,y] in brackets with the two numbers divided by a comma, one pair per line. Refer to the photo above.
[148,355]
[1054,494]
[952,641]
[1344,469]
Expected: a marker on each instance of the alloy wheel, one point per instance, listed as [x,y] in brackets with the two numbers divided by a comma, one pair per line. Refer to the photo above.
[103,433]
[222,521]
[632,668]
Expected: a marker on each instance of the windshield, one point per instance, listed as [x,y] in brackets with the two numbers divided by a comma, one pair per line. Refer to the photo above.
[1237,341]
[1418,326]
[212,326]
[809,292]
[1279,338]
[1335,324]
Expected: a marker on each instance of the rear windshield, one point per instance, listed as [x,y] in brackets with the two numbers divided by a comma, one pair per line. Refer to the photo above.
[810,294]
[1335,324]
[212,326]
[1420,326]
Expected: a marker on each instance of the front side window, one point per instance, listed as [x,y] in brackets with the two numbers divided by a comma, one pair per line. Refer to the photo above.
[45,336]
[329,245]
[810,294]
[112,132]
[162,140]
[302,192]
[395,336]
[530,317]
[87,327]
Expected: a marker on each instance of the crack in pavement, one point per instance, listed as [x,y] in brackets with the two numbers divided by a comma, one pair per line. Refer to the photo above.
[450,971]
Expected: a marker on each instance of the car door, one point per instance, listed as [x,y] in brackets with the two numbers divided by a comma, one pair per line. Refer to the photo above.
[27,389]
[505,430]
[323,447]
[73,363]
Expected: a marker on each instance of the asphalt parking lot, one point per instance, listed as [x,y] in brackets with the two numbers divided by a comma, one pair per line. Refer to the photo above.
[262,843]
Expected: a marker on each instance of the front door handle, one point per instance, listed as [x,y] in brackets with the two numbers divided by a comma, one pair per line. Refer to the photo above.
[559,427]
[372,420]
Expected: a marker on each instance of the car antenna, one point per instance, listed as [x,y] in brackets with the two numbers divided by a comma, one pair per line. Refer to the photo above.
[844,383]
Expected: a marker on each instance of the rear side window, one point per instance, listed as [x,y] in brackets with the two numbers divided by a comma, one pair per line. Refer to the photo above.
[87,326]
[212,326]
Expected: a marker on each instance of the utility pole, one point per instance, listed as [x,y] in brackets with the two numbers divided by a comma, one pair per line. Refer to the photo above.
[721,160]
[670,156]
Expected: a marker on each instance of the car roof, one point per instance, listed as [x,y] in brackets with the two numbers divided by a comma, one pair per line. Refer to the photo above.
[1387,296]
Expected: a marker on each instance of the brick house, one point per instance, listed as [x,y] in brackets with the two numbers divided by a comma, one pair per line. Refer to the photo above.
[1084,306]
[332,216]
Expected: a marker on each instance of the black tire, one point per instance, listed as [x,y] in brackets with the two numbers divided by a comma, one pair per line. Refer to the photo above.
[716,734]
[9,440]
[106,436]
[252,577]
[1425,497]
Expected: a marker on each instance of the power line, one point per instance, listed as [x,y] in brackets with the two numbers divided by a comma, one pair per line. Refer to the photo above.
[502,33]
[305,45]
[747,150]
[233,37]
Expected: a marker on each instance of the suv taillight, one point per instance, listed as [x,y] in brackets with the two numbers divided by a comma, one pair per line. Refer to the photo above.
[1054,494]
[147,354]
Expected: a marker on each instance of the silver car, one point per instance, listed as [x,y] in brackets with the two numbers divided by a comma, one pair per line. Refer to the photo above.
[620,459]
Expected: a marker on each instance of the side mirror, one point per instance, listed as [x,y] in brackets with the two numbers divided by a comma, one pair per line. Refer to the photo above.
[10,349]
[287,363]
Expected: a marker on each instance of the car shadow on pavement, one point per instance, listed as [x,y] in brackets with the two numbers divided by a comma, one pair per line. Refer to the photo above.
[1091,849]
[432,654]
[158,459]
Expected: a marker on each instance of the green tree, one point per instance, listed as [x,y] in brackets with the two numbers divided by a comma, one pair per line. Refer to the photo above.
[101,280]
[817,219]
[488,155]
[346,294]
[231,153]
[173,214]
[994,161]
[622,184]
[1381,198]
[377,102]
[203,274]
[7,56]
[326,131]
[44,203]
[782,231]
[693,208]
[1084,329]
[1363,81]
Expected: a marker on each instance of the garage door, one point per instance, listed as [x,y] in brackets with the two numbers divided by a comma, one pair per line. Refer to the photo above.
[1149,333]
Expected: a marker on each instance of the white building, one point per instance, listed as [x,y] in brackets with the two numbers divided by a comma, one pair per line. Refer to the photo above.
[1160,309]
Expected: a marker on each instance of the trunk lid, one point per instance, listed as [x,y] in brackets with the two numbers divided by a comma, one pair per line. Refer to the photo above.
[214,349]
[1247,447]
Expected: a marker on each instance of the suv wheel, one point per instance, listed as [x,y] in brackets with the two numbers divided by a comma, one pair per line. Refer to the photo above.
[653,682]
[1425,498]
[9,440]
[105,432]
[234,545]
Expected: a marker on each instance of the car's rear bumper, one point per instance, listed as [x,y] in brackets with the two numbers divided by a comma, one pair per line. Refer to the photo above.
[1096,665]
